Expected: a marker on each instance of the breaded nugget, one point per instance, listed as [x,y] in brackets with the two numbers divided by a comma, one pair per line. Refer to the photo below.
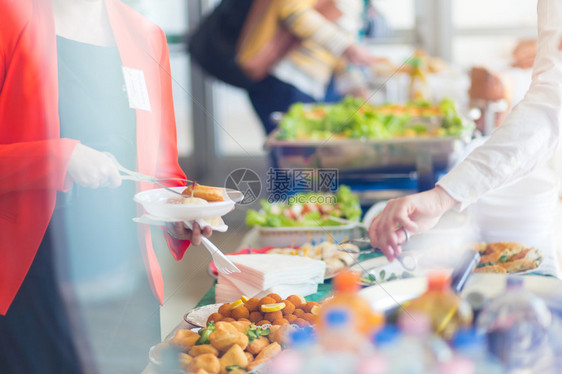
[490,269]
[233,357]
[202,349]
[207,362]
[266,354]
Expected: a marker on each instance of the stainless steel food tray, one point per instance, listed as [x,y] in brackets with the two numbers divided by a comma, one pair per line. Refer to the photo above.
[366,155]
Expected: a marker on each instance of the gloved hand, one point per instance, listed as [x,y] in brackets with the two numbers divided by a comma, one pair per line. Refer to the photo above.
[92,169]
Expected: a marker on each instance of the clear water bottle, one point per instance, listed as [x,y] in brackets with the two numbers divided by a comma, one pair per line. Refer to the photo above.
[411,353]
[516,325]
[472,346]
[301,356]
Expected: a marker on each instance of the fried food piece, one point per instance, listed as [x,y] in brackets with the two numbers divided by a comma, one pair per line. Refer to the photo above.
[223,325]
[184,360]
[223,339]
[256,316]
[228,319]
[202,349]
[201,371]
[205,192]
[299,313]
[309,317]
[272,316]
[184,339]
[518,265]
[249,356]
[275,297]
[263,322]
[237,371]
[289,307]
[267,353]
[490,269]
[241,326]
[308,306]
[224,310]
[280,321]
[233,357]
[240,312]
[291,318]
[296,300]
[215,317]
[280,333]
[265,300]
[252,304]
[207,362]
[301,322]
[257,345]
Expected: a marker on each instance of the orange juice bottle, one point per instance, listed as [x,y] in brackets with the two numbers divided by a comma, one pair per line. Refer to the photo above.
[446,310]
[364,321]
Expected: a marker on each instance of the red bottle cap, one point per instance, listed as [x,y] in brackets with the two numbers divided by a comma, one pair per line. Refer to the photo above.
[439,281]
[347,282]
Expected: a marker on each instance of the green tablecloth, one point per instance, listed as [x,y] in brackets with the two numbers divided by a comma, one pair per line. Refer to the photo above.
[324,289]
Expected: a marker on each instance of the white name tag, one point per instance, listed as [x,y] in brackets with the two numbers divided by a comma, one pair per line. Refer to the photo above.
[136,89]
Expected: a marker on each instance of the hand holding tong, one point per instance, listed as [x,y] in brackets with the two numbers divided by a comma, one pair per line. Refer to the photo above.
[139,177]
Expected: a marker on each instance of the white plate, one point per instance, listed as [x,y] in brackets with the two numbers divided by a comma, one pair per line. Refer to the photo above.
[155,202]
[387,295]
[198,316]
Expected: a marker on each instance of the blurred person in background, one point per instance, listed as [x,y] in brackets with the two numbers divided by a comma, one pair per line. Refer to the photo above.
[325,35]
[528,137]
[79,78]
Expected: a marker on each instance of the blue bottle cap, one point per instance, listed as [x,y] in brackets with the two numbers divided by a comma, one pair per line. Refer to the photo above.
[467,338]
[337,317]
[514,282]
[387,335]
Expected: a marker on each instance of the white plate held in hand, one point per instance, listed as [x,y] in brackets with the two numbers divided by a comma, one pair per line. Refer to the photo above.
[156,202]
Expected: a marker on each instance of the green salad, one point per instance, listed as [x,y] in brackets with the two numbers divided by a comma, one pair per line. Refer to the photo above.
[353,118]
[310,209]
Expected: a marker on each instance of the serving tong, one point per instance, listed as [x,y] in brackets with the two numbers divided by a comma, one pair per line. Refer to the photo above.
[139,177]
[407,260]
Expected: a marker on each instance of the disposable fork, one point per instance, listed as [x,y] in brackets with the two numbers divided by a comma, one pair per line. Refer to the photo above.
[223,264]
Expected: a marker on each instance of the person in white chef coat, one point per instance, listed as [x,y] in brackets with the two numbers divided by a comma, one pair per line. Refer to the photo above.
[527,138]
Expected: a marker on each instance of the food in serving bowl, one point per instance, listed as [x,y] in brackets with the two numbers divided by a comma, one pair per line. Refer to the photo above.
[355,119]
[219,348]
[311,209]
[269,310]
[507,257]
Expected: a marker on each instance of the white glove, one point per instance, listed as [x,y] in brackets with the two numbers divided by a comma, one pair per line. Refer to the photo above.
[92,169]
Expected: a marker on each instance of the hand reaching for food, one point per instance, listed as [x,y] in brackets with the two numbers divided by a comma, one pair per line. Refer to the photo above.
[92,169]
[414,213]
[180,231]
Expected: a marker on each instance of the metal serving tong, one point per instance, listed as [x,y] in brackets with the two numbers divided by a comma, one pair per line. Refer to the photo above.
[139,177]
[407,260]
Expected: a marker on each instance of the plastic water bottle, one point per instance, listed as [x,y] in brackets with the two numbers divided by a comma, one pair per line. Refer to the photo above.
[469,345]
[301,356]
[411,354]
[516,324]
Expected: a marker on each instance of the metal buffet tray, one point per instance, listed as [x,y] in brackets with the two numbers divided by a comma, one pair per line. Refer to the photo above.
[369,156]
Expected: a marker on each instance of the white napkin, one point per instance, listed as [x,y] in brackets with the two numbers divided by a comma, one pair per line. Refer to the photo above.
[269,270]
[149,219]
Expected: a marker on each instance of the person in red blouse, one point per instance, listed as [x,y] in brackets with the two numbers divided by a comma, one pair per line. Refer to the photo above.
[62,104]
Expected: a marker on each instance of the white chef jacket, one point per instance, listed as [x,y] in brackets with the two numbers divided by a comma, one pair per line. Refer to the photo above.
[530,134]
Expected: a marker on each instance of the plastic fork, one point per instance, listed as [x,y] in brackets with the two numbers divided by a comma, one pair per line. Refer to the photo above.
[223,264]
